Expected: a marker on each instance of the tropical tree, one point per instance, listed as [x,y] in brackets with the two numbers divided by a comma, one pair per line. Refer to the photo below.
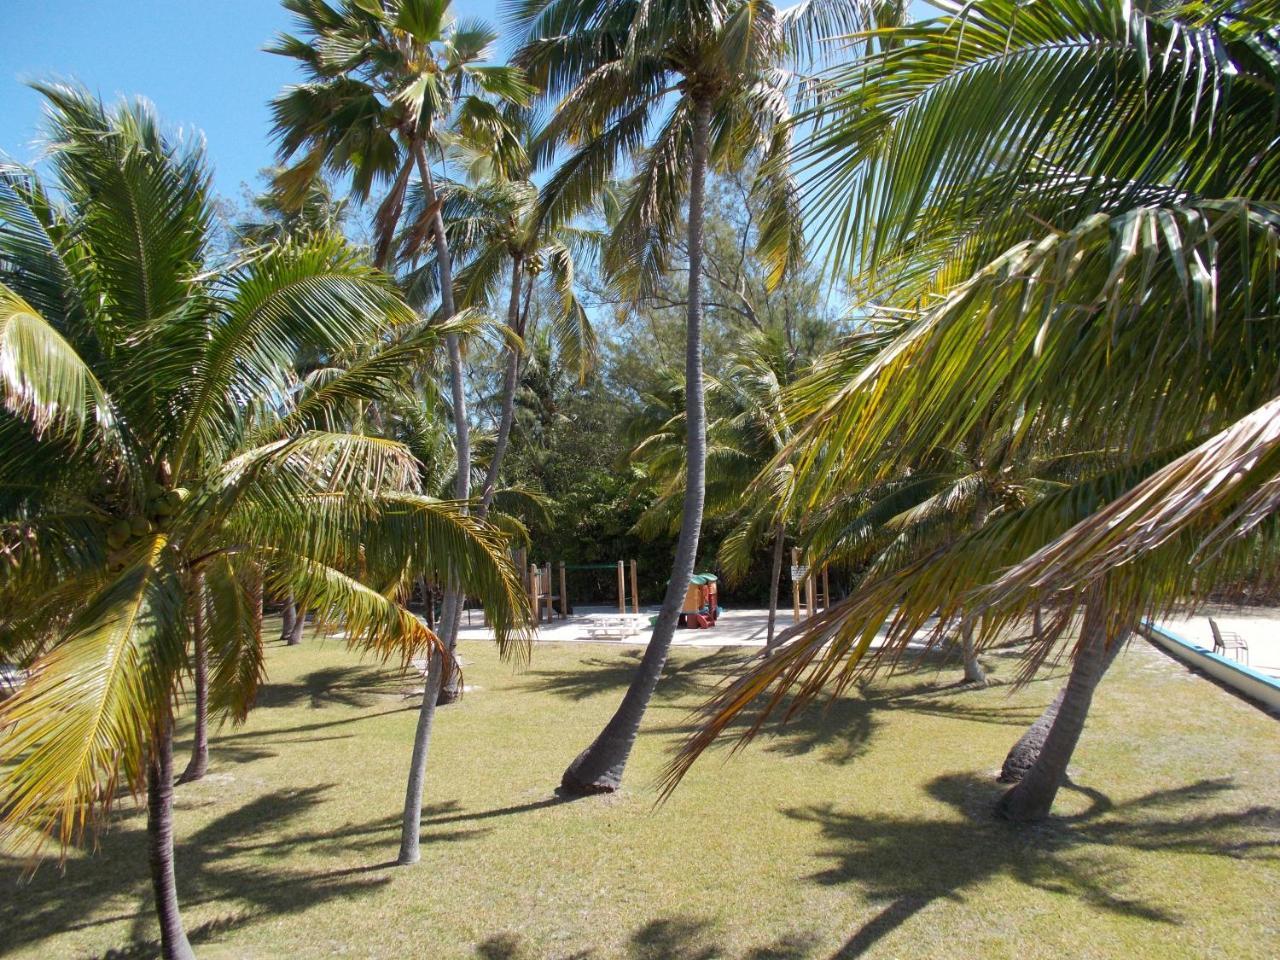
[388,80]
[709,77]
[947,494]
[497,231]
[145,494]
[1099,262]
[313,210]
[746,484]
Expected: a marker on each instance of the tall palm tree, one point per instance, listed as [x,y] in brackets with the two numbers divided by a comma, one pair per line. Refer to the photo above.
[709,77]
[497,231]
[747,428]
[144,490]
[387,80]
[1102,250]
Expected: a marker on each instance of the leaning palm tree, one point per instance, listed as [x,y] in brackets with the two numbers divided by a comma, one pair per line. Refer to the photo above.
[146,496]
[709,77]
[387,79]
[1136,151]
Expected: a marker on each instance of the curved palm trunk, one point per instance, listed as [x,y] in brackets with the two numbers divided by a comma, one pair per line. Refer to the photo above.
[599,768]
[173,938]
[973,672]
[199,762]
[1032,798]
[775,580]
[410,827]
[510,380]
[1022,755]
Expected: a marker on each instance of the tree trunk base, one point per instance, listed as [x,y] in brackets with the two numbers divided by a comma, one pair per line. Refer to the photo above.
[571,786]
[194,771]
[1018,806]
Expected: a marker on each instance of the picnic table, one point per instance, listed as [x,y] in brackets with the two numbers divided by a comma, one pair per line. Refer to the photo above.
[615,626]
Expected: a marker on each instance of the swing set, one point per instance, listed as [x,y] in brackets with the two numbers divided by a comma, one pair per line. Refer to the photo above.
[549,596]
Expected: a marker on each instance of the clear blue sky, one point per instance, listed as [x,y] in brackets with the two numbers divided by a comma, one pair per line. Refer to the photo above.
[199,61]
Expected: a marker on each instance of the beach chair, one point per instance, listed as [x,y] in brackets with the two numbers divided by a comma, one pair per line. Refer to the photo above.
[1228,643]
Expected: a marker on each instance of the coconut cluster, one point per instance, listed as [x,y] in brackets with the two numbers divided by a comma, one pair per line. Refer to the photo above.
[161,504]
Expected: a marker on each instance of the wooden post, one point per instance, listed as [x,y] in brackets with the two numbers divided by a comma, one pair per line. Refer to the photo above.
[622,588]
[564,593]
[522,565]
[533,593]
[826,589]
[546,579]
[795,586]
[808,594]
[635,588]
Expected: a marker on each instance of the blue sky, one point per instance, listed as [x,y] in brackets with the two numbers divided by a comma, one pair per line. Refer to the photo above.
[199,61]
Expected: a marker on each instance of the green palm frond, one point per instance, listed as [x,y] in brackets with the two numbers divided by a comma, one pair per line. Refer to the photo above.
[88,711]
[45,380]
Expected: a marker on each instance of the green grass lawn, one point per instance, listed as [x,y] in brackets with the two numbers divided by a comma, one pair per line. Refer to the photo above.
[859,831]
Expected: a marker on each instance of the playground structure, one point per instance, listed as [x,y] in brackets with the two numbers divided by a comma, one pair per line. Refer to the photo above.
[549,596]
[816,587]
[701,607]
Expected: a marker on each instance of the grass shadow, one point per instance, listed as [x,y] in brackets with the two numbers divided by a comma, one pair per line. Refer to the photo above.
[596,675]
[211,867]
[666,938]
[907,863]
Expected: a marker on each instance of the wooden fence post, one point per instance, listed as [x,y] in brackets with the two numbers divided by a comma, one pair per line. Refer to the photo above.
[635,588]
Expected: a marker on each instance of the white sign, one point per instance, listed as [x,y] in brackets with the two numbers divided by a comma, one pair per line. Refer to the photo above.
[799,571]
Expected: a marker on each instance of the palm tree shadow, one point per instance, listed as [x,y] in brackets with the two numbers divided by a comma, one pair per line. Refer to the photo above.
[677,937]
[841,730]
[595,675]
[908,863]
[350,686]
[211,868]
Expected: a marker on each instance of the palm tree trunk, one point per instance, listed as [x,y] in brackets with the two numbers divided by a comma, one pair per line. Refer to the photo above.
[173,938]
[973,672]
[599,768]
[449,692]
[1032,798]
[434,690]
[510,380]
[288,615]
[410,827]
[775,580]
[1022,755]
[299,624]
[199,761]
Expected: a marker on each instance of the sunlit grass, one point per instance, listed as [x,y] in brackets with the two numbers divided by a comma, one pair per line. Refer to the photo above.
[859,832]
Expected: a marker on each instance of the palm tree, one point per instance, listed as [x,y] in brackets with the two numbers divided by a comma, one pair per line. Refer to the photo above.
[1098,257]
[709,78]
[152,480]
[312,210]
[947,494]
[748,427]
[496,229]
[387,79]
